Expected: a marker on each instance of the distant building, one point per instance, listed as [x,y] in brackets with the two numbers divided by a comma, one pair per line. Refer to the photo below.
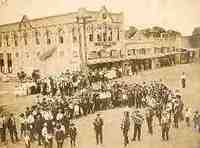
[192,45]
[152,52]
[56,43]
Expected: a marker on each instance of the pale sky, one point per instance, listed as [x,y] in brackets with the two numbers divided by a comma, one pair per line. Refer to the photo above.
[181,15]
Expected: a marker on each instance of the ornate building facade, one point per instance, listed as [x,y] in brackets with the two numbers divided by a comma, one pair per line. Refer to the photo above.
[56,43]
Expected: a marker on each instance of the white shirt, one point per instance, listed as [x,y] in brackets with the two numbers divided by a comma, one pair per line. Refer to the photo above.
[30,119]
[63,128]
[59,116]
[183,76]
[44,131]
[187,113]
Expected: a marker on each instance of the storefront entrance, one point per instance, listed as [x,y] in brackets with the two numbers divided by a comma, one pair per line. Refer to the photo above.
[1,63]
[9,62]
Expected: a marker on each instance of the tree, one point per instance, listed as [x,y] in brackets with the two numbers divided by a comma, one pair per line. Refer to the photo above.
[156,30]
[130,32]
[147,32]
[196,31]
[173,33]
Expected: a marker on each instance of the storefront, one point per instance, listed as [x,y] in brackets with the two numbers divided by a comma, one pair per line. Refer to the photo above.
[1,63]
[6,64]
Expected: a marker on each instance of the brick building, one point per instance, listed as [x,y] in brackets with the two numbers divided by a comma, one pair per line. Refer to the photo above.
[56,43]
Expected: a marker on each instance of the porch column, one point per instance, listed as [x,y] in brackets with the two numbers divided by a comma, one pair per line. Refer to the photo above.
[5,62]
[153,63]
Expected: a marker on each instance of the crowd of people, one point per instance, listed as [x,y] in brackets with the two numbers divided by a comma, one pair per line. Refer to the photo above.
[60,100]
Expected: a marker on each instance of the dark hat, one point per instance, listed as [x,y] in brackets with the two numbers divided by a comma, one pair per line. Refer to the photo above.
[21,115]
[58,125]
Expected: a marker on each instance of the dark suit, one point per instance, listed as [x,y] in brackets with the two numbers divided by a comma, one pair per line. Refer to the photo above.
[125,129]
[98,126]
[73,133]
[12,128]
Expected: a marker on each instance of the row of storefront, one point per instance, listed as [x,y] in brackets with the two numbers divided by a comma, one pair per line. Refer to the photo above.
[132,65]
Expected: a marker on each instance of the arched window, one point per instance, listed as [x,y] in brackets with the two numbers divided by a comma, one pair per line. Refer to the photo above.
[74,37]
[25,36]
[48,37]
[118,34]
[37,35]
[91,31]
[61,36]
[15,36]
[7,39]
[104,32]
[99,34]
[109,34]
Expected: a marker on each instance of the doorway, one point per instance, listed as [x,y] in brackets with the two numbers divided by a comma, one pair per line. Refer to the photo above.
[1,63]
[9,62]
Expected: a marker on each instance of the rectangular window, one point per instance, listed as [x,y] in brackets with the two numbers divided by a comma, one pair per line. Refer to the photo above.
[134,53]
[7,40]
[1,62]
[162,50]
[37,41]
[48,41]
[104,36]
[15,39]
[61,40]
[110,35]
[118,34]
[99,33]
[99,37]
[48,37]
[25,35]
[90,37]
[129,52]
[74,37]
[9,62]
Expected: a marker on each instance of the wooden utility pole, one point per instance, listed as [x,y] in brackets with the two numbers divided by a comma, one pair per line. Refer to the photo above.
[83,48]
[80,43]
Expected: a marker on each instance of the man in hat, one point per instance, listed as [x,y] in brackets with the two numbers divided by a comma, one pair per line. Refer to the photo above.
[165,125]
[39,121]
[59,135]
[149,120]
[176,115]
[196,118]
[98,127]
[59,115]
[45,135]
[138,121]
[125,126]
[12,127]
[73,135]
[23,123]
[3,128]
[183,80]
